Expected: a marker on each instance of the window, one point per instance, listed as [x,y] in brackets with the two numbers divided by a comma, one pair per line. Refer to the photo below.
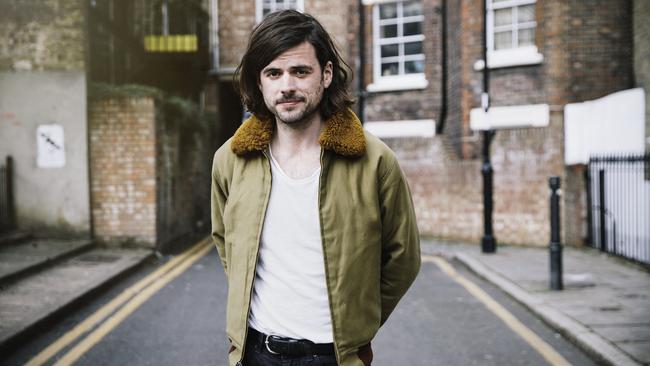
[398,55]
[266,7]
[511,33]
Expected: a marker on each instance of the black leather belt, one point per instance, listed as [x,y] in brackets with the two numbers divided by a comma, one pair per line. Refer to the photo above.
[288,346]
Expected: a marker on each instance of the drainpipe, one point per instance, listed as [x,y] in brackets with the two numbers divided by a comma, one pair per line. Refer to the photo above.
[214,34]
[362,61]
[443,60]
[165,17]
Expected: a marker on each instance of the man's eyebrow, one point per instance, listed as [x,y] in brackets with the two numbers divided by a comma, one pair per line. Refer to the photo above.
[268,69]
[301,68]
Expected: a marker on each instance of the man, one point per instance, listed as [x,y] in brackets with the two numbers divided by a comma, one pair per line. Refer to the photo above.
[311,216]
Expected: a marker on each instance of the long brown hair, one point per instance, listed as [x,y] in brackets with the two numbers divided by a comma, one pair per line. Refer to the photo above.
[277,33]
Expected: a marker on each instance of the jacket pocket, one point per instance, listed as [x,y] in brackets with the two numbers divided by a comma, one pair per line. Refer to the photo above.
[365,354]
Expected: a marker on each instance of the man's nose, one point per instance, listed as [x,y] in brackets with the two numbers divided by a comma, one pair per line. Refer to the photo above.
[288,83]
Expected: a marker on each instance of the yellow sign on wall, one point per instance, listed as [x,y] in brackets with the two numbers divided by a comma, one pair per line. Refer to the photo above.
[173,43]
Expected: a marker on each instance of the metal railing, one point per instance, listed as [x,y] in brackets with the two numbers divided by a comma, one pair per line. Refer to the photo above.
[619,201]
[6,196]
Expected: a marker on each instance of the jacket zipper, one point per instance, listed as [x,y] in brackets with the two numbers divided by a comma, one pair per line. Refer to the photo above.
[257,254]
[327,283]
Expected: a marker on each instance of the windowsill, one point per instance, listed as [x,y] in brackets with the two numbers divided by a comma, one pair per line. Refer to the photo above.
[518,116]
[372,2]
[402,129]
[509,58]
[396,83]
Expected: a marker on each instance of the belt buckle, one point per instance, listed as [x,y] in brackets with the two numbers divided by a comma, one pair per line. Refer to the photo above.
[266,343]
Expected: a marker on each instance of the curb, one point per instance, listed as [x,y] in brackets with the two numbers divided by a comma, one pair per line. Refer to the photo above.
[23,333]
[580,335]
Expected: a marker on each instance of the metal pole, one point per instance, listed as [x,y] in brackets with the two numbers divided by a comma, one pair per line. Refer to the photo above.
[601,199]
[555,248]
[362,62]
[488,242]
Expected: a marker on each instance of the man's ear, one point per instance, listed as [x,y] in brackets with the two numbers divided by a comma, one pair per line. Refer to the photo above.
[327,74]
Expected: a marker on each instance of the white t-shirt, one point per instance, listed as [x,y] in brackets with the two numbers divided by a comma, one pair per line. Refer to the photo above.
[290,290]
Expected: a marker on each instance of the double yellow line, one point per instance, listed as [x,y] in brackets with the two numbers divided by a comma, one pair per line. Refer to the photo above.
[120,307]
[538,344]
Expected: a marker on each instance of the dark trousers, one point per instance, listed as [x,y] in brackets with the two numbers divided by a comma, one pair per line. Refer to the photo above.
[257,355]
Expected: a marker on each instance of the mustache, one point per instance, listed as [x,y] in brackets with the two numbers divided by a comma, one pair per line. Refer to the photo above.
[289,99]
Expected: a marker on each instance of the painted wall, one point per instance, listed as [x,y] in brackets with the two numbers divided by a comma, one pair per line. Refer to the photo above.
[48,200]
[641,13]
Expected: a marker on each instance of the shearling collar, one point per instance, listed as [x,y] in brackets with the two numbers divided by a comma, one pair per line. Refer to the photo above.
[342,134]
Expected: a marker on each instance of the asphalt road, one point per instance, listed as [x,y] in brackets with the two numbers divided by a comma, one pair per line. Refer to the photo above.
[439,322]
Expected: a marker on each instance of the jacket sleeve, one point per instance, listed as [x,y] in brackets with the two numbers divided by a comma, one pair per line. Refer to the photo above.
[400,239]
[219,196]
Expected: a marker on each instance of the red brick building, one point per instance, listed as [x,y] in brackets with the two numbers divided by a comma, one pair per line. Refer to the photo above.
[418,79]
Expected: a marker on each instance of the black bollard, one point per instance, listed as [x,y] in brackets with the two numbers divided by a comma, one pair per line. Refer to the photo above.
[555,248]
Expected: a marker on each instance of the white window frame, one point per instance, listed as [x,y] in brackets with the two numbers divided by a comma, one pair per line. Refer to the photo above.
[259,8]
[401,81]
[526,55]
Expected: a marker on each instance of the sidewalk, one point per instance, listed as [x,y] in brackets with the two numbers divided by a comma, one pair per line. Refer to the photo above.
[604,307]
[40,279]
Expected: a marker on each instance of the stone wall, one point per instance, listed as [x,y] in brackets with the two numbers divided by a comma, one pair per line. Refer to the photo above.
[43,82]
[43,35]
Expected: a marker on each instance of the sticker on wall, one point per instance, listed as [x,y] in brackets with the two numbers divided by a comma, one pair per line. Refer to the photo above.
[50,145]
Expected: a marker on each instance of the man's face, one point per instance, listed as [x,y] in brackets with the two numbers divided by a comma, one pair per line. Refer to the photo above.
[293,84]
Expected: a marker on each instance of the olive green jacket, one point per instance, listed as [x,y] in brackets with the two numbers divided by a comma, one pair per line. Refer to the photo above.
[368,227]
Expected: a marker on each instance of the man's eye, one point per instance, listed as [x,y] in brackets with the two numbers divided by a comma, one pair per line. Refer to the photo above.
[273,74]
[301,72]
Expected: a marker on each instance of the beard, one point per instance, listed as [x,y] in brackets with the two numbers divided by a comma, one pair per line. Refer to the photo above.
[295,116]
[300,113]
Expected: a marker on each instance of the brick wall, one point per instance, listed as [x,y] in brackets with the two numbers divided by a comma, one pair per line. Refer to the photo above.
[236,20]
[42,35]
[123,169]
[150,161]
[600,48]
[448,192]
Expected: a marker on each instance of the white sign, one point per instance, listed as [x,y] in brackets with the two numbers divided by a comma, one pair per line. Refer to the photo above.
[50,146]
[614,124]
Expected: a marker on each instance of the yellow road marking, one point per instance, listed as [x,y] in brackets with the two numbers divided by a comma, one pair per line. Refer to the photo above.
[538,344]
[98,334]
[102,313]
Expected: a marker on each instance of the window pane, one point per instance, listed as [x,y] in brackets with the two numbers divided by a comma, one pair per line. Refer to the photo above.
[502,40]
[503,17]
[387,11]
[412,48]
[413,28]
[279,3]
[526,13]
[388,31]
[526,37]
[414,67]
[389,69]
[412,8]
[389,50]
